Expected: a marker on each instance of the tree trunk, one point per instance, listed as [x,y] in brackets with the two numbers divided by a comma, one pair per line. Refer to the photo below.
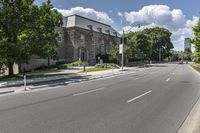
[10,69]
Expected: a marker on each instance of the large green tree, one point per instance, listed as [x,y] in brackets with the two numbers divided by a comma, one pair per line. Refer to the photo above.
[196,42]
[146,44]
[16,16]
[26,29]
[45,33]
[139,44]
[160,40]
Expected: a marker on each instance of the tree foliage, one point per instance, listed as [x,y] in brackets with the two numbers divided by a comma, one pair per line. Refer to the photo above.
[26,29]
[196,42]
[160,39]
[145,45]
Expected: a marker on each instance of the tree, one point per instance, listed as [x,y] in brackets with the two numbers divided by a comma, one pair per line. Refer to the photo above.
[45,33]
[16,16]
[196,56]
[147,43]
[160,40]
[196,41]
[139,44]
[114,52]
[26,29]
[187,54]
[174,55]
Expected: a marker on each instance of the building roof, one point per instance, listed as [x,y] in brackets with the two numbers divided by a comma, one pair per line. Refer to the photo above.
[89,24]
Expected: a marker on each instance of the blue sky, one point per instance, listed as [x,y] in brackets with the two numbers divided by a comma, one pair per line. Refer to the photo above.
[179,16]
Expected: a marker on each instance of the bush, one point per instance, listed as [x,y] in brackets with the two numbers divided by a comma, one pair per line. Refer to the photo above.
[66,65]
[107,65]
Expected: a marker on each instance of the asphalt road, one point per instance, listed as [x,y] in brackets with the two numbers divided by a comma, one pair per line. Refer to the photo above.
[153,100]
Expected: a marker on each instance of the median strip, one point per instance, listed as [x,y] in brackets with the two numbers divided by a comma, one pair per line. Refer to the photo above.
[86,92]
[131,100]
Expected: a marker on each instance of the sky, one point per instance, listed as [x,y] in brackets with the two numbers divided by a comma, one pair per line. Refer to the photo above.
[178,16]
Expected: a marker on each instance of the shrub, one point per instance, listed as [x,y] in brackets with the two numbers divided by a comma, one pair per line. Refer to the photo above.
[107,65]
[66,65]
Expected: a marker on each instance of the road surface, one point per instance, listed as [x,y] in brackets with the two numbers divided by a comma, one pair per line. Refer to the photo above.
[151,100]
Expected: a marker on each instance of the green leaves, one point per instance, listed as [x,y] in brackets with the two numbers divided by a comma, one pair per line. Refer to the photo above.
[196,42]
[45,33]
[26,29]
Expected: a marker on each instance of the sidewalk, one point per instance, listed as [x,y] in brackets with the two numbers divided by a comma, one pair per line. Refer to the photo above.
[13,86]
[192,122]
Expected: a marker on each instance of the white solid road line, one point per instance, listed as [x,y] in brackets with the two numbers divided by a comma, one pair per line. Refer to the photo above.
[167,79]
[77,94]
[131,100]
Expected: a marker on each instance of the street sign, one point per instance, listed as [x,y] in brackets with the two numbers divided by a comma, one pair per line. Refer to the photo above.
[120,48]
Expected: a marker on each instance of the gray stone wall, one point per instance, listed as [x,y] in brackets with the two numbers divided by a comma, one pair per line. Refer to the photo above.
[78,42]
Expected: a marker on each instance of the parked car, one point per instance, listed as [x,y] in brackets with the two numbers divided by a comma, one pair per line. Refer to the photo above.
[180,62]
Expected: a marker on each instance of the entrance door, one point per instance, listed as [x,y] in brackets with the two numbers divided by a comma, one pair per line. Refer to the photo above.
[83,56]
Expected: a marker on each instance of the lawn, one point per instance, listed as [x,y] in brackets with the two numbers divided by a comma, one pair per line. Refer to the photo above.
[196,66]
[94,69]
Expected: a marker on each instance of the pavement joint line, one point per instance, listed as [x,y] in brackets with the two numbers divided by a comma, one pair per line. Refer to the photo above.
[131,100]
[90,91]
[167,79]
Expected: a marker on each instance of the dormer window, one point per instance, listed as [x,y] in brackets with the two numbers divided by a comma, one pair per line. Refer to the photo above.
[89,26]
[115,33]
[108,32]
[99,29]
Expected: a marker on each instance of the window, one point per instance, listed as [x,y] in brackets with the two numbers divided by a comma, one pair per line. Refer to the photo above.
[89,26]
[60,37]
[99,29]
[115,33]
[108,32]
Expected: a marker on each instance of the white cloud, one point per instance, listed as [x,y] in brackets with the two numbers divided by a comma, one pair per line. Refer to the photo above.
[87,12]
[163,16]
[120,14]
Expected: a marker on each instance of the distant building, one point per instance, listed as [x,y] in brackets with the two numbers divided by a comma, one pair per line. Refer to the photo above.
[83,39]
[187,44]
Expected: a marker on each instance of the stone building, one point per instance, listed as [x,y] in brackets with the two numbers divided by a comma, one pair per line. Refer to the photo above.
[83,39]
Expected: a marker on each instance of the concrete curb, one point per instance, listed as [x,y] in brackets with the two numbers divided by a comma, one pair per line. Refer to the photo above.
[37,82]
[6,91]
